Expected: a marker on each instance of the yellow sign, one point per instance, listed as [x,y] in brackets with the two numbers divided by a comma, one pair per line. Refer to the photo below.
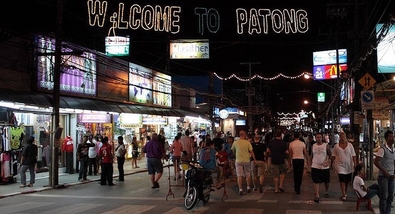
[367,81]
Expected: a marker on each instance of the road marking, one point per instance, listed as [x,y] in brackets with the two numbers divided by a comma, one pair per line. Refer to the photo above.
[76,208]
[303,212]
[19,208]
[102,197]
[244,210]
[135,209]
[178,210]
[268,201]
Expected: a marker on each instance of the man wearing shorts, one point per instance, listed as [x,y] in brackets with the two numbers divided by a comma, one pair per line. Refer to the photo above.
[243,150]
[258,168]
[278,149]
[154,152]
[320,166]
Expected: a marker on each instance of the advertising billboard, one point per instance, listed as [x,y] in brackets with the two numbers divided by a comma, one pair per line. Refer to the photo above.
[78,72]
[161,89]
[325,63]
[140,84]
[117,45]
[189,49]
[386,50]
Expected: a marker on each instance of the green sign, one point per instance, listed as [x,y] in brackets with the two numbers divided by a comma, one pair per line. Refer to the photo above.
[321,97]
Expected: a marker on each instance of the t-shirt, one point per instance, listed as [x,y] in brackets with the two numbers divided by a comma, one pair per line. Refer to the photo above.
[242,149]
[357,185]
[121,151]
[207,158]
[277,149]
[297,148]
[30,154]
[105,153]
[320,156]
[259,150]
[343,158]
[176,148]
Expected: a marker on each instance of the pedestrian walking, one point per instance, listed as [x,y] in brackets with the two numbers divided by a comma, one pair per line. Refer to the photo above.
[320,166]
[175,151]
[297,156]
[120,153]
[344,158]
[154,152]
[135,153]
[278,150]
[385,161]
[258,167]
[243,150]
[106,157]
[28,162]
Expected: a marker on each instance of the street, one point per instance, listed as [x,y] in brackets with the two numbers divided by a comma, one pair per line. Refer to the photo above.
[135,195]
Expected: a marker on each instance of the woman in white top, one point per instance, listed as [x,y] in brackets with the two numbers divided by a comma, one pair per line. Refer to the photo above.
[359,185]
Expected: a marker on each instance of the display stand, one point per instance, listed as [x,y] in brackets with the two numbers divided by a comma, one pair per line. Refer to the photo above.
[170,192]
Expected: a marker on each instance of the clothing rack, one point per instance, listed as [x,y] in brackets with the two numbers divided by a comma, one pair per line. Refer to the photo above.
[8,155]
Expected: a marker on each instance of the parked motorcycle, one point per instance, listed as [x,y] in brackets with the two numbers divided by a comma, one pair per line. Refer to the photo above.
[198,182]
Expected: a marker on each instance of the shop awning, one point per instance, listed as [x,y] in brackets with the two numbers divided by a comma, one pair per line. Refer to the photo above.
[46,100]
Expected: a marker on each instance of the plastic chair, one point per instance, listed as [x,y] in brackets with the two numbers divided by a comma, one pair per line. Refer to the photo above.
[360,199]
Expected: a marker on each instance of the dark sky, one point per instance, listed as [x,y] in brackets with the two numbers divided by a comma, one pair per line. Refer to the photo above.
[276,52]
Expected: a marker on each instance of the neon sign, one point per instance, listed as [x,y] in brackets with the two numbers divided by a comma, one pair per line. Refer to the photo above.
[253,21]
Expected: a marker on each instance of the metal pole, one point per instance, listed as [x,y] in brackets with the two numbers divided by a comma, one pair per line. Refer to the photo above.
[250,120]
[371,144]
[54,171]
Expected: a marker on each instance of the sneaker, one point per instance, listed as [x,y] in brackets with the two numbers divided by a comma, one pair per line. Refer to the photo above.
[156,185]
[326,195]
[22,186]
[30,185]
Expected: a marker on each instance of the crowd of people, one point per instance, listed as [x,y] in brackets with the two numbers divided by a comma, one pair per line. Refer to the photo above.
[246,156]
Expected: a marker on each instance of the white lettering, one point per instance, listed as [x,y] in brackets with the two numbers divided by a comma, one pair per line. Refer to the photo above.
[279,21]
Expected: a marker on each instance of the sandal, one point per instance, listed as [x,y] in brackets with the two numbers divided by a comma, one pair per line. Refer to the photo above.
[343,198]
[316,200]
[326,195]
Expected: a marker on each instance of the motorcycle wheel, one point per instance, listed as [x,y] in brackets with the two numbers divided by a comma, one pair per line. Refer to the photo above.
[191,198]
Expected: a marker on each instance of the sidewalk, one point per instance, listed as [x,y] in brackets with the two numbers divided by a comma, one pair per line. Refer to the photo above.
[64,179]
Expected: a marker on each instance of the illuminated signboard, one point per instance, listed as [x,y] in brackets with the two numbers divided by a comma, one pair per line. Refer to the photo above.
[154,120]
[127,119]
[94,118]
[189,49]
[325,63]
[78,72]
[117,46]
[174,18]
[140,84]
[161,89]
[386,50]
[148,86]
[321,97]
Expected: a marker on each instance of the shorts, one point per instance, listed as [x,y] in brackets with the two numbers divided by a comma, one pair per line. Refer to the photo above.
[154,165]
[176,160]
[258,168]
[243,169]
[279,169]
[344,178]
[320,175]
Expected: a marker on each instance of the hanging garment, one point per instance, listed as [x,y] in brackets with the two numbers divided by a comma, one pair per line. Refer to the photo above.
[16,137]
[5,166]
[6,139]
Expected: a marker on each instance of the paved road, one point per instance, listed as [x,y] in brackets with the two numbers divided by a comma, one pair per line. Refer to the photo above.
[135,195]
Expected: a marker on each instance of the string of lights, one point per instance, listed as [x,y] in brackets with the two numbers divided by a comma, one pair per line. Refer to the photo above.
[280,75]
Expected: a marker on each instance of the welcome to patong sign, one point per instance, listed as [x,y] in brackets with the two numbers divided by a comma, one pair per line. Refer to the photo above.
[248,21]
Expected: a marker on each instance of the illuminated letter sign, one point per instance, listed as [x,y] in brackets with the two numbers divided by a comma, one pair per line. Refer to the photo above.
[189,49]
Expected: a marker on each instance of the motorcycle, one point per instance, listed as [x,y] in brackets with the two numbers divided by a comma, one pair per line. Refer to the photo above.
[198,182]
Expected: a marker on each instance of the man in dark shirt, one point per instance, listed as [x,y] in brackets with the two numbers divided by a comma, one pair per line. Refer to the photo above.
[154,153]
[258,169]
[278,150]
[28,161]
[218,142]
[83,158]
